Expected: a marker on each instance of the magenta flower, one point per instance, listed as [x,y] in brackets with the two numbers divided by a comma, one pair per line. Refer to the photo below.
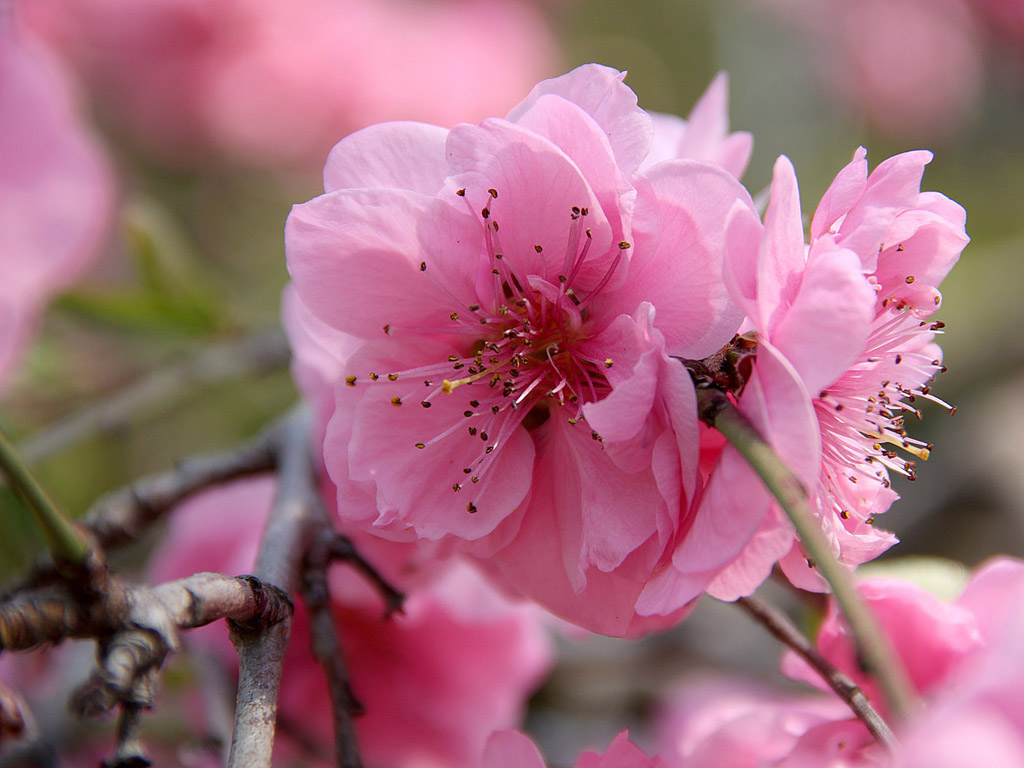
[843,352]
[456,665]
[520,288]
[512,749]
[56,191]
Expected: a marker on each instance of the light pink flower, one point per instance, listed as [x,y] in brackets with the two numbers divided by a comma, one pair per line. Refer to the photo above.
[843,350]
[931,637]
[717,722]
[935,639]
[520,290]
[978,718]
[975,715]
[275,82]
[704,135]
[56,192]
[963,657]
[456,665]
[512,749]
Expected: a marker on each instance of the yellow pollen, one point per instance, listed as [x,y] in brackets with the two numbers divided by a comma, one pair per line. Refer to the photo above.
[922,452]
[447,385]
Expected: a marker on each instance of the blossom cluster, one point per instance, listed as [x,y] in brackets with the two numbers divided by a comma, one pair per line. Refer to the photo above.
[505,332]
[515,307]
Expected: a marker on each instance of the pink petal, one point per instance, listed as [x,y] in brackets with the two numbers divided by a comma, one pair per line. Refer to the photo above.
[600,92]
[319,354]
[634,378]
[682,277]
[544,561]
[842,194]
[511,749]
[707,132]
[669,131]
[743,234]
[355,258]
[621,753]
[617,509]
[783,253]
[538,186]
[56,191]
[415,487]
[754,564]
[567,126]
[399,155]
[894,185]
[988,592]
[826,327]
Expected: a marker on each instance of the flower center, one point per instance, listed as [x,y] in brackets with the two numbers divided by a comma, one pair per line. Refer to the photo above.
[862,415]
[526,360]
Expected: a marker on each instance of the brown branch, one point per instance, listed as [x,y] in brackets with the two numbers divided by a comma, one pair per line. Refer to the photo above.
[288,533]
[120,516]
[340,548]
[327,647]
[15,718]
[783,630]
[52,613]
[129,751]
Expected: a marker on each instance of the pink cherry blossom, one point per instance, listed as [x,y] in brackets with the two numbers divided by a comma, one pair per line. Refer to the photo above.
[704,135]
[274,83]
[520,289]
[931,637]
[978,718]
[456,665]
[718,722]
[512,749]
[963,657]
[935,639]
[844,349]
[56,192]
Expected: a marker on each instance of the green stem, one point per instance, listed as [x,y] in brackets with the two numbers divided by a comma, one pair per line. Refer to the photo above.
[874,651]
[64,541]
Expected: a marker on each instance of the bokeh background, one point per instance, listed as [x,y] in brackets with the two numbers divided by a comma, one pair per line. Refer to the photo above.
[217,116]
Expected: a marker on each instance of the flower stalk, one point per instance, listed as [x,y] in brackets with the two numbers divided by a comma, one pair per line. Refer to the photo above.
[63,539]
[874,651]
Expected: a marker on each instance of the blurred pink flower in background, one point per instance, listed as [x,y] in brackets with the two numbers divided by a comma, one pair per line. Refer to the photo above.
[511,749]
[1005,18]
[56,190]
[963,657]
[459,663]
[530,253]
[843,350]
[274,83]
[913,68]
[936,639]
[977,718]
[721,722]
[704,135]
